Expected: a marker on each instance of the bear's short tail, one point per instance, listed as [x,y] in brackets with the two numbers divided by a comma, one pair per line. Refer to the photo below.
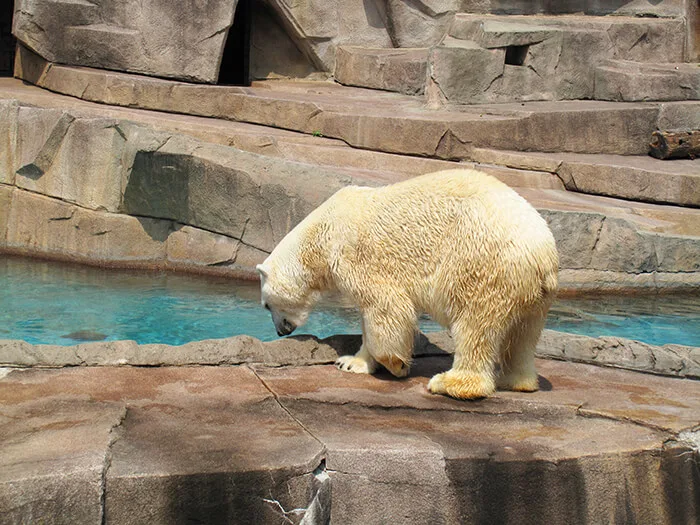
[550,283]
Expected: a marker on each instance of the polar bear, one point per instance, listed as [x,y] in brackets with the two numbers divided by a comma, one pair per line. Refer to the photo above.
[458,245]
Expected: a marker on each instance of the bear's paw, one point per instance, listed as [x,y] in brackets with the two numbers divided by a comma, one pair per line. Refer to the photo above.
[462,385]
[357,365]
[518,382]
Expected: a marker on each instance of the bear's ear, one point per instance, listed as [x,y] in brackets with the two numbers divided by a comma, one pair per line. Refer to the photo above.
[261,270]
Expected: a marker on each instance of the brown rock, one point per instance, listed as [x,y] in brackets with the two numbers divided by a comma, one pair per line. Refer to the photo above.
[8,137]
[464,71]
[54,457]
[672,360]
[5,202]
[152,39]
[80,162]
[633,81]
[400,70]
[188,246]
[47,226]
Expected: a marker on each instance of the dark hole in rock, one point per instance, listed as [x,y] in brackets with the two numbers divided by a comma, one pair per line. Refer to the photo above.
[515,55]
[7,41]
[235,62]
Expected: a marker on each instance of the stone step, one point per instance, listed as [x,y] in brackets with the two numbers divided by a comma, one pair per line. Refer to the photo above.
[650,9]
[399,70]
[115,43]
[638,178]
[628,34]
[379,121]
[514,58]
[508,58]
[624,80]
[162,190]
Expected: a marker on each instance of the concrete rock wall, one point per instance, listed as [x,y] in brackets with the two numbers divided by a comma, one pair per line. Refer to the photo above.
[111,192]
[182,40]
[185,40]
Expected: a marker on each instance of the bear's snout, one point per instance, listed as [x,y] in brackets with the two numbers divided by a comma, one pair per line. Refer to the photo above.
[285,328]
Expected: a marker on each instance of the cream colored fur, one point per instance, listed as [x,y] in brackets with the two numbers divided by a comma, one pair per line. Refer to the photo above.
[458,245]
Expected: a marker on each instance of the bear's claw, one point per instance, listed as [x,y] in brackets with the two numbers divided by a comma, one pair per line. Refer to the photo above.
[350,363]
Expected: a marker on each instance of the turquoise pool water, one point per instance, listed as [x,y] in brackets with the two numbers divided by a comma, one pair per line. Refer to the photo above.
[51,303]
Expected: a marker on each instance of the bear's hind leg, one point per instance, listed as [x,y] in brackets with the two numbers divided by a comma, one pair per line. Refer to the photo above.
[518,370]
[472,372]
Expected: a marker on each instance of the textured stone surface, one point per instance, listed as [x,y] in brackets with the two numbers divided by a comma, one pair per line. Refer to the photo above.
[566,7]
[418,24]
[162,446]
[263,445]
[153,38]
[593,241]
[53,457]
[248,197]
[381,121]
[208,207]
[318,26]
[673,360]
[400,70]
[80,162]
[5,201]
[273,53]
[553,58]
[464,71]
[679,116]
[633,81]
[635,178]
[41,225]
[218,469]
[8,138]
[669,360]
[39,136]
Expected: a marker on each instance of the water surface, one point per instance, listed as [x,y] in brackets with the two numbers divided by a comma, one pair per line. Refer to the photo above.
[53,303]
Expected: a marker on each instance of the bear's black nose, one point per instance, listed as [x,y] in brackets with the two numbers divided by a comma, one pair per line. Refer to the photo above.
[286,328]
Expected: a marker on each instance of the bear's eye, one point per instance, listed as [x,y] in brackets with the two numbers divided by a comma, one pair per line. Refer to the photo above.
[267,306]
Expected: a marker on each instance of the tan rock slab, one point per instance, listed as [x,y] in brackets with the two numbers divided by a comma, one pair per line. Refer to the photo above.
[442,459]
[131,36]
[402,70]
[210,443]
[42,225]
[387,121]
[53,454]
[8,137]
[5,202]
[80,162]
[632,81]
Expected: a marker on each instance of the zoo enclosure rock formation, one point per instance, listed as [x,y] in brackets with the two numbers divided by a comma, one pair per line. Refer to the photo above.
[463,51]
[183,40]
[254,444]
[153,194]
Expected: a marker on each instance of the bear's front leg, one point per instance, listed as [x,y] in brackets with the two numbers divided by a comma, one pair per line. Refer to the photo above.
[360,363]
[387,339]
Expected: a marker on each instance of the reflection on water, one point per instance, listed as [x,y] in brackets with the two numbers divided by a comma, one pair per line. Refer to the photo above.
[653,319]
[52,303]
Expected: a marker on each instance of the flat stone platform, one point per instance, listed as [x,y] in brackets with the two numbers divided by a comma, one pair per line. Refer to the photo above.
[309,444]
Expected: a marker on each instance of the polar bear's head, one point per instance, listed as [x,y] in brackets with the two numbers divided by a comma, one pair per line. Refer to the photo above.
[288,297]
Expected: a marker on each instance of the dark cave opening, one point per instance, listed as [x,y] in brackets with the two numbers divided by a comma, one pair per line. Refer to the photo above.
[235,63]
[7,40]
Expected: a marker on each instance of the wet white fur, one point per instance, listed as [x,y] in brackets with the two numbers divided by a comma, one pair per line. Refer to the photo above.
[457,244]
